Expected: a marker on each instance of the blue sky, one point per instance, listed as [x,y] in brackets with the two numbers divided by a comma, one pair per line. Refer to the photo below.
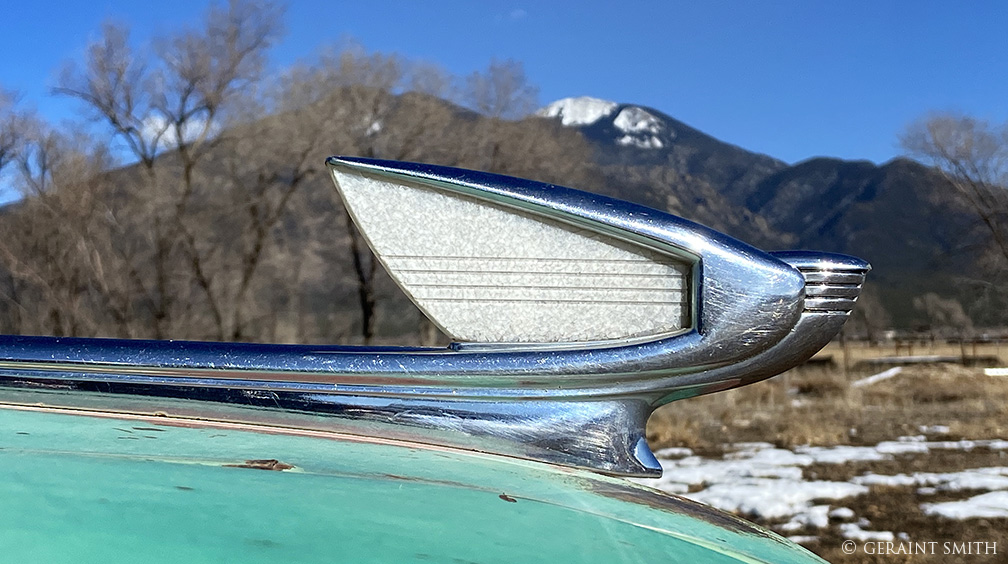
[793,79]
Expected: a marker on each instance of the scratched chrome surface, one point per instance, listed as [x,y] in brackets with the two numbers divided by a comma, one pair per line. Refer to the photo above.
[754,315]
[98,487]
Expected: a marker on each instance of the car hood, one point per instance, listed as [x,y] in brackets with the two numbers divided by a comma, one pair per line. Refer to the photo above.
[92,486]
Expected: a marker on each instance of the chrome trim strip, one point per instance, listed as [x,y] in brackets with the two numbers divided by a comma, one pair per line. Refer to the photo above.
[579,404]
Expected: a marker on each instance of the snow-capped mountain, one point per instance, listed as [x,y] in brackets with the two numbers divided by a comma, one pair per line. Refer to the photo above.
[885,213]
[629,135]
[632,125]
[583,110]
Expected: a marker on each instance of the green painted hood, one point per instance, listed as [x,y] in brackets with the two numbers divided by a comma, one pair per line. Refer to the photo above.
[80,487]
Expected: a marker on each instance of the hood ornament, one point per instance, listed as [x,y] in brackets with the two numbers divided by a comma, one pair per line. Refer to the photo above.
[574,316]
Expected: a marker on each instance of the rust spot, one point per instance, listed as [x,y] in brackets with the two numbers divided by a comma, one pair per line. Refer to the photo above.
[265,543]
[263,464]
[507,498]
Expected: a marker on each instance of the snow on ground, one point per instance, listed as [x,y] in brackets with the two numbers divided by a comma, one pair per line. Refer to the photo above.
[855,532]
[762,481]
[817,517]
[776,498]
[754,479]
[674,452]
[885,375]
[584,110]
[978,479]
[988,505]
[842,513]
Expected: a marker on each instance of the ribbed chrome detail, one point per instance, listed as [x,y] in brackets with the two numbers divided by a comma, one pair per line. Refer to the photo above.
[832,282]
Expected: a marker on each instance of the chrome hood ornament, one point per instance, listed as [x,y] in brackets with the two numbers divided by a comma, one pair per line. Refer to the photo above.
[574,315]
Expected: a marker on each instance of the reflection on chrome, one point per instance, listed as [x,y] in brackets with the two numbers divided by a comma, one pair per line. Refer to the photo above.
[574,315]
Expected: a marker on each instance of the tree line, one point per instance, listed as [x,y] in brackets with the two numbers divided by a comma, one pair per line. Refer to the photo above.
[194,202]
[224,225]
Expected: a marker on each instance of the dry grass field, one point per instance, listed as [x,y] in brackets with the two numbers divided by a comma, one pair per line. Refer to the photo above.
[915,417]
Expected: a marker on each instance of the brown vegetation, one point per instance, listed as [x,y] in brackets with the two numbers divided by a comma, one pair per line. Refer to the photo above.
[225,227]
[816,405]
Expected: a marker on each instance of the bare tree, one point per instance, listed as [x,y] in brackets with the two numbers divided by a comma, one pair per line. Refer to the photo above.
[53,245]
[221,215]
[176,103]
[972,155]
[354,92]
[14,124]
[502,91]
[869,317]
[946,318]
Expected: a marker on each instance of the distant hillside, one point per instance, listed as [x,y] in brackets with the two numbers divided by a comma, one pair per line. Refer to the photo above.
[258,247]
[893,214]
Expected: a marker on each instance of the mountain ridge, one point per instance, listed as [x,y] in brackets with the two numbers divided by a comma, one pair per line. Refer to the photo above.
[896,214]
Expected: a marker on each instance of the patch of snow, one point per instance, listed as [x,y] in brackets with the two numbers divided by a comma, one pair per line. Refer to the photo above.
[905,445]
[855,532]
[641,127]
[995,478]
[584,110]
[674,452]
[917,444]
[698,471]
[637,120]
[934,429]
[755,479]
[988,505]
[750,447]
[894,481]
[842,454]
[643,143]
[770,498]
[816,516]
[374,128]
[842,513]
[759,480]
[803,539]
[885,375]
[966,444]
[996,371]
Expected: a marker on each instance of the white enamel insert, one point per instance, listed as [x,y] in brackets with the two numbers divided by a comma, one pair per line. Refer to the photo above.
[489,273]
